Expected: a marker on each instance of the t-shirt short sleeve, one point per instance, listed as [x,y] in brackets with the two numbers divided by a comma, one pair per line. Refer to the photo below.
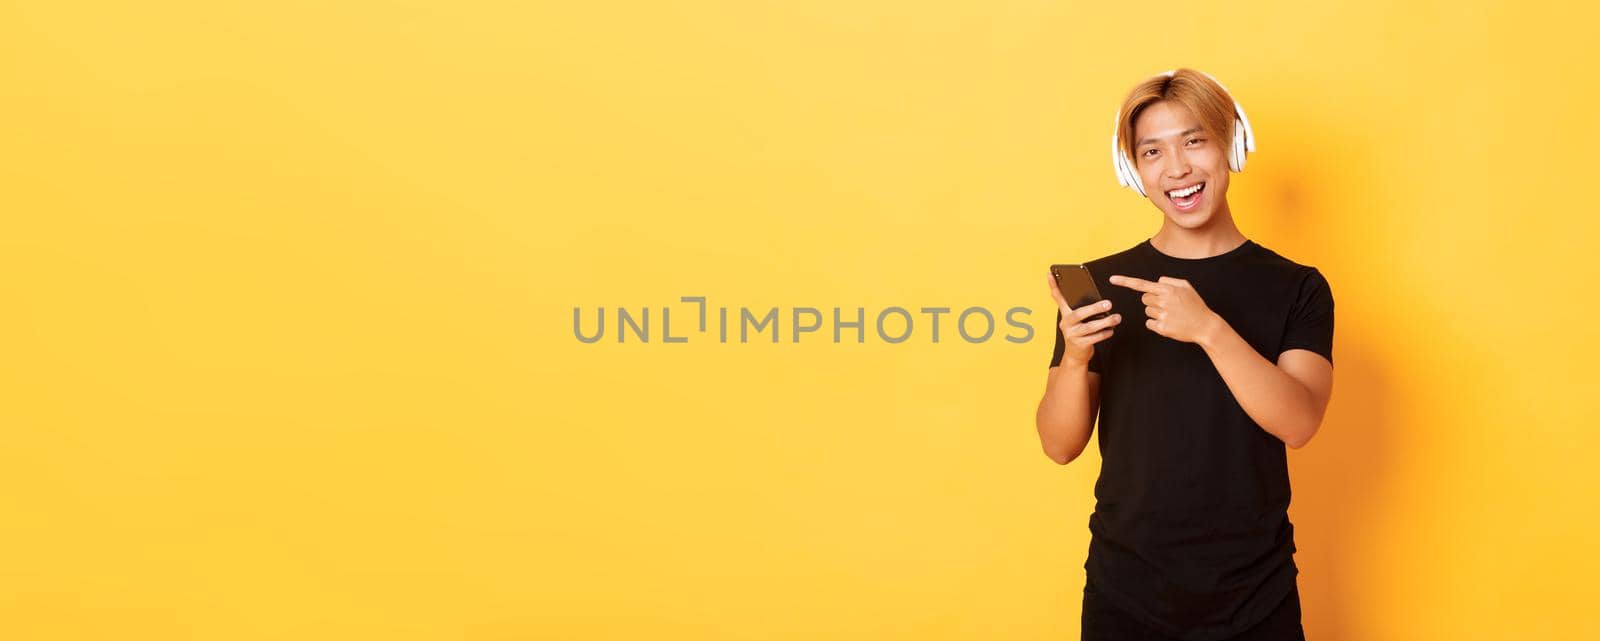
[1310,323]
[1061,348]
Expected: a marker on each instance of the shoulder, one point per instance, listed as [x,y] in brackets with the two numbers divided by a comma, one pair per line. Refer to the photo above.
[1302,285]
[1271,262]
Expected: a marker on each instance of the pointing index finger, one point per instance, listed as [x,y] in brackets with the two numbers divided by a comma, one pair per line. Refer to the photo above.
[1133,283]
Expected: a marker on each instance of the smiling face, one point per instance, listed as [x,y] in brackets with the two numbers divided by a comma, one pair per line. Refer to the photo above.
[1173,155]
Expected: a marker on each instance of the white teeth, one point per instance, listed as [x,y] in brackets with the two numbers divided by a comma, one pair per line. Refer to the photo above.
[1180,193]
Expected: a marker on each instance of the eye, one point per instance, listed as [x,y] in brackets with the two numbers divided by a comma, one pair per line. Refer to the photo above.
[1197,140]
[1147,152]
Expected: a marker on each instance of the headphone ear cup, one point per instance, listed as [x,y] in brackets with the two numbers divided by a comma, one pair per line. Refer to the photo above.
[1116,163]
[1236,155]
[1133,175]
[1116,154]
[1249,134]
[1119,159]
[1247,142]
[1243,153]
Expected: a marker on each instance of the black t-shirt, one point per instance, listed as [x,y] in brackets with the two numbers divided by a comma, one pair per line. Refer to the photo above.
[1190,530]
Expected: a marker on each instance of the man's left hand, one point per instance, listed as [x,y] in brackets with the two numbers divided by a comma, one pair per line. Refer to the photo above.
[1172,307]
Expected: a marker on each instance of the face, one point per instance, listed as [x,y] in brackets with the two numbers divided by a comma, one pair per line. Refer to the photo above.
[1172,154]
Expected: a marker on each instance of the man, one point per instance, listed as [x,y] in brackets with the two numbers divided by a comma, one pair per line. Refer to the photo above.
[1230,363]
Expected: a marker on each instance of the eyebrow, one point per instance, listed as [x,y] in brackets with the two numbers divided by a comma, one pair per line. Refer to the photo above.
[1181,134]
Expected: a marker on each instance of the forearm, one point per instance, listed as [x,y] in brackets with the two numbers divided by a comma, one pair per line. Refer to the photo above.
[1271,397]
[1065,416]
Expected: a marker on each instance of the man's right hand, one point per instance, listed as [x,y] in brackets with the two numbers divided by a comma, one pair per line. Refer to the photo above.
[1080,336]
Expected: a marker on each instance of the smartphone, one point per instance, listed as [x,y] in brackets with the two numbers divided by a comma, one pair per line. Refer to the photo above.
[1077,287]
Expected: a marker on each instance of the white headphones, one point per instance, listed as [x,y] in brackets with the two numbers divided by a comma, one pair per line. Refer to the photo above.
[1244,141]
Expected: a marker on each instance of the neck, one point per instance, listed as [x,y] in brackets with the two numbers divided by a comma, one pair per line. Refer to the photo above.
[1218,235]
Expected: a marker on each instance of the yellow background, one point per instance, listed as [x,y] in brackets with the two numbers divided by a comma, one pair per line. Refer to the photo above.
[288,293]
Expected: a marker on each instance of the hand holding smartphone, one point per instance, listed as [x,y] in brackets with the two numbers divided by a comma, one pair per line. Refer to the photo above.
[1077,288]
[1085,314]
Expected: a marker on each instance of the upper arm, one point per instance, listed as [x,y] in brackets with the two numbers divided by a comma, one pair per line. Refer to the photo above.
[1309,326]
[1307,349]
[1313,371]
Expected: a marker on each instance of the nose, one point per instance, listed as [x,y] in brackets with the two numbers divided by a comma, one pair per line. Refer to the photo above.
[1177,166]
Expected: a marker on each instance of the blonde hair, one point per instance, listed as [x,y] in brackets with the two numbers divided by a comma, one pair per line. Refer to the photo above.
[1194,90]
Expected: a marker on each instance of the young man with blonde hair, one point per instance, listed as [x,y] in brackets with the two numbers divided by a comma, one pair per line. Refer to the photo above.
[1230,361]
